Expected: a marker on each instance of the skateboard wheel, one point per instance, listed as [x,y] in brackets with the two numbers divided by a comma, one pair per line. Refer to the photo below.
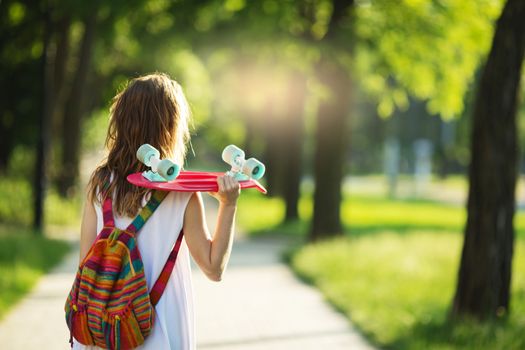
[254,168]
[146,152]
[230,153]
[167,169]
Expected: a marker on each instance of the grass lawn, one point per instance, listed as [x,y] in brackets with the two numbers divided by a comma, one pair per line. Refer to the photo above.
[397,289]
[24,257]
[394,271]
[16,204]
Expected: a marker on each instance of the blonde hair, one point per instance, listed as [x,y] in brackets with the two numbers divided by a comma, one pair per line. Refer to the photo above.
[151,109]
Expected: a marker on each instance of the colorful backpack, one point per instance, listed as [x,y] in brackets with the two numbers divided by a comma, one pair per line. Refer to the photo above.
[109,305]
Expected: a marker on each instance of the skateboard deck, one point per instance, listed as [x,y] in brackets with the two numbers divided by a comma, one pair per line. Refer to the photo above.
[190,181]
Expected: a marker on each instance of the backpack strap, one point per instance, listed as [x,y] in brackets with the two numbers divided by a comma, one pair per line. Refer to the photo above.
[145,213]
[139,221]
[135,226]
[162,281]
[107,212]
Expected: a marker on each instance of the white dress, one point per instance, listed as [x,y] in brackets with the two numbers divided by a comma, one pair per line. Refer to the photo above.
[174,327]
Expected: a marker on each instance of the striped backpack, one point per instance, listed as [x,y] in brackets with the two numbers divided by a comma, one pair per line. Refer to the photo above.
[109,305]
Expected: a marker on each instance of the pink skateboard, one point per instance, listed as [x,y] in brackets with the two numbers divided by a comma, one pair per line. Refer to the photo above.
[167,176]
[191,181]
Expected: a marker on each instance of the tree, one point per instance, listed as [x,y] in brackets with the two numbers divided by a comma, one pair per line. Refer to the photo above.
[73,112]
[44,125]
[386,65]
[389,69]
[331,130]
[295,136]
[21,44]
[274,66]
[483,288]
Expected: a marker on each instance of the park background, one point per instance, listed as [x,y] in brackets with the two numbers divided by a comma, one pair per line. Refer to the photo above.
[390,131]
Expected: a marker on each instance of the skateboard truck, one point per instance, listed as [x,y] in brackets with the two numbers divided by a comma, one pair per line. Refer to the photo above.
[162,170]
[242,169]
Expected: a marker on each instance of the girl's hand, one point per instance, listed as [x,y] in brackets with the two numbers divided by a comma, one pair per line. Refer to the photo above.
[229,190]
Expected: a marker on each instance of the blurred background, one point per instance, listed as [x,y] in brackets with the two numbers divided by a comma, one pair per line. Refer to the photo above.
[378,122]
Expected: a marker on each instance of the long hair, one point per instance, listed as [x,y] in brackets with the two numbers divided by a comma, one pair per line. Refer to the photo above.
[151,109]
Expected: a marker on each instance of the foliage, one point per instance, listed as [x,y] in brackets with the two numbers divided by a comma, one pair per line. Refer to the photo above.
[95,130]
[24,257]
[20,53]
[16,201]
[235,58]
[427,49]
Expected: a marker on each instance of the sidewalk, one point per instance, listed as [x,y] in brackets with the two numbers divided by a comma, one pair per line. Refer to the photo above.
[258,305]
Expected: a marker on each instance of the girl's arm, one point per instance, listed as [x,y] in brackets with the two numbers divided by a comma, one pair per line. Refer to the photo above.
[88,228]
[212,253]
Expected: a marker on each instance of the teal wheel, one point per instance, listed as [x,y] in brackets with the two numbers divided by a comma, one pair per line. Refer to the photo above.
[254,168]
[168,170]
[231,153]
[146,152]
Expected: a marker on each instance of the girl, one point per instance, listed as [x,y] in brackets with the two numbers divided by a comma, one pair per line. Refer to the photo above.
[153,109]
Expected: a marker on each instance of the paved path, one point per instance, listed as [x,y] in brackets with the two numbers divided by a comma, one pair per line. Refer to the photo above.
[261,305]
[258,305]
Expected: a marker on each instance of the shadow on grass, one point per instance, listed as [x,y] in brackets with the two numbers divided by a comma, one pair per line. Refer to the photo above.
[401,229]
[300,228]
[371,199]
[462,334]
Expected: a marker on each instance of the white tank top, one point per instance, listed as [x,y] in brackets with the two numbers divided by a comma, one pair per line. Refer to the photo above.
[174,327]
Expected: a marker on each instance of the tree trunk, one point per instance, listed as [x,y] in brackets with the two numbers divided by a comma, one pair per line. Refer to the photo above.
[483,288]
[44,125]
[294,144]
[62,51]
[331,133]
[6,143]
[331,138]
[273,150]
[60,63]
[73,111]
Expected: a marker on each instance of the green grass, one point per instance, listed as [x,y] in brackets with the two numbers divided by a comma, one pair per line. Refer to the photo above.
[373,214]
[16,205]
[397,289]
[256,211]
[24,257]
[360,215]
